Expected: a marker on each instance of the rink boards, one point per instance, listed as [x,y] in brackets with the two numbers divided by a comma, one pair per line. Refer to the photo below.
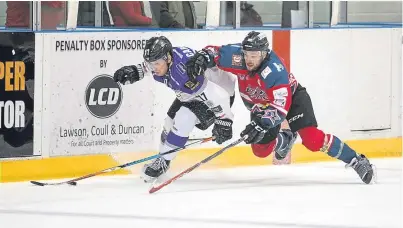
[83,122]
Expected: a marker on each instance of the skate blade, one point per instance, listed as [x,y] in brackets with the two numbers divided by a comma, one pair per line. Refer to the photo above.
[147,179]
[374,179]
[154,180]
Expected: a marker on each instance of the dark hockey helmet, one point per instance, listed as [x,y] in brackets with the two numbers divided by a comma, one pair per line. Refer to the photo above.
[156,48]
[255,41]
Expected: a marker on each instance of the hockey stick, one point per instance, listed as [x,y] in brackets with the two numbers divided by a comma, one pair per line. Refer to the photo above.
[195,139]
[74,181]
[211,157]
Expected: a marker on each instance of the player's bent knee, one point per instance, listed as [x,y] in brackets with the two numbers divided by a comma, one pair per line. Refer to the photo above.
[168,124]
[312,138]
[263,150]
[166,128]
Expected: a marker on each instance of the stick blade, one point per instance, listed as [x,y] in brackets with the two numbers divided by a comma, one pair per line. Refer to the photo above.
[152,190]
[72,183]
[156,187]
[37,183]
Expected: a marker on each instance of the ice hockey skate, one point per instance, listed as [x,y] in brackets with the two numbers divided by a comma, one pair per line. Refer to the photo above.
[365,170]
[153,171]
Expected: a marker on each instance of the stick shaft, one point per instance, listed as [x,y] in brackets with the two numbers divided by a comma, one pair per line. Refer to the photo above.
[203,140]
[190,169]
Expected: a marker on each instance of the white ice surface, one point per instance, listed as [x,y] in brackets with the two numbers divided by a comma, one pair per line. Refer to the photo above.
[321,195]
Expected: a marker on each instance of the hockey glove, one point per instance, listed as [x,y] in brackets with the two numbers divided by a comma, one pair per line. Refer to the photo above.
[255,131]
[199,63]
[129,74]
[222,130]
[175,106]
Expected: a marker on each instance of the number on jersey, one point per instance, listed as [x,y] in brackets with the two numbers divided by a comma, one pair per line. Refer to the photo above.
[187,51]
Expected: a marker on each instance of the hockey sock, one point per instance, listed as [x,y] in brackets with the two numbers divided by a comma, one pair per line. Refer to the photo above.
[338,149]
[164,135]
[172,141]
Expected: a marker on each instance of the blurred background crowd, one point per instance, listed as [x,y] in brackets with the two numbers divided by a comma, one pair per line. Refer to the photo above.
[190,14]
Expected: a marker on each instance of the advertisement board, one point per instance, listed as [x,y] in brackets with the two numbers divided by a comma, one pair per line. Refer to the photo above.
[17,55]
[87,113]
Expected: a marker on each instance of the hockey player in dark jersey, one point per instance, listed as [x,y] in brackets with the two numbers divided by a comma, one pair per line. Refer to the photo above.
[272,95]
[199,102]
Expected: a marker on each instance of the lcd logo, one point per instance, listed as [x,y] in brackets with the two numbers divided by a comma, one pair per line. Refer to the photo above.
[103,96]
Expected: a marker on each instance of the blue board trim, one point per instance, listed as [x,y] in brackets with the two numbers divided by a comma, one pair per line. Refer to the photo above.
[323,26]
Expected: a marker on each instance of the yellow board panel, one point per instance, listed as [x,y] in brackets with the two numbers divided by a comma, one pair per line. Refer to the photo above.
[60,167]
[74,166]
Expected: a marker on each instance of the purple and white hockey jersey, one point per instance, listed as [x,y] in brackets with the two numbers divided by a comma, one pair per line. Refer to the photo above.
[177,78]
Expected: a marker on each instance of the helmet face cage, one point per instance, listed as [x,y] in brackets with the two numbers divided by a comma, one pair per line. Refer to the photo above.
[255,41]
[157,48]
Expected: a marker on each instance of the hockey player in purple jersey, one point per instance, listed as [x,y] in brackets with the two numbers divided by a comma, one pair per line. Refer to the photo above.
[199,102]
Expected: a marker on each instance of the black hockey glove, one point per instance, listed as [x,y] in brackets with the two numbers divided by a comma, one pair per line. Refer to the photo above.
[199,63]
[222,130]
[175,106]
[129,74]
[255,131]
